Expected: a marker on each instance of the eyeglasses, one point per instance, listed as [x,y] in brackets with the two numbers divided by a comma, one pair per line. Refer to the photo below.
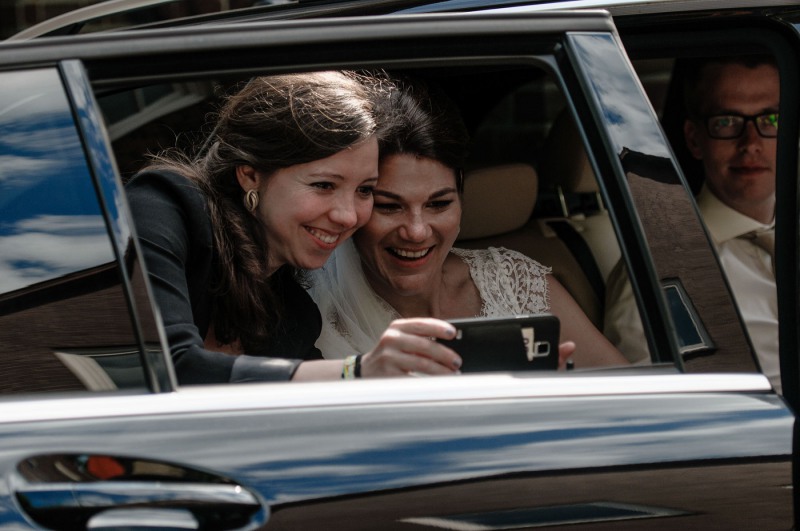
[729,126]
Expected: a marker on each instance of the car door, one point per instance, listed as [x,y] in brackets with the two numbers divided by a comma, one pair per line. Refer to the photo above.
[633,447]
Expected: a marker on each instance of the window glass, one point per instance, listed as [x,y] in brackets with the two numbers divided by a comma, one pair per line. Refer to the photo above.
[63,315]
[50,222]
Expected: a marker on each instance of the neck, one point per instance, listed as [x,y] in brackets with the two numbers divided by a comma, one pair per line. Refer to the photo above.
[425,304]
[762,212]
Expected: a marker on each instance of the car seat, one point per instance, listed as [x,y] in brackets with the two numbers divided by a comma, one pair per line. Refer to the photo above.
[498,204]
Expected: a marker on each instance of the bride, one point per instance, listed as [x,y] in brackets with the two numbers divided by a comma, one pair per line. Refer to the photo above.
[402,263]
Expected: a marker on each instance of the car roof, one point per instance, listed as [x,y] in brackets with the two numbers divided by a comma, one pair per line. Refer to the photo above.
[164,13]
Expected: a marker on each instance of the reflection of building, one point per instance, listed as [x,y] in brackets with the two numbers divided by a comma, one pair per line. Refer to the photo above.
[16,15]
[85,313]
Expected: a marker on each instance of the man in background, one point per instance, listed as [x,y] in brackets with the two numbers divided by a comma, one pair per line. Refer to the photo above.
[731,128]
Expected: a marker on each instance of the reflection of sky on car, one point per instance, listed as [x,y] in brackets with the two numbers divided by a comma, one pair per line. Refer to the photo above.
[450,443]
[630,118]
[50,222]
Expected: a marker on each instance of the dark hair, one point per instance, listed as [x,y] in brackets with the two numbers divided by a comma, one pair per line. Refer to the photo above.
[422,121]
[694,69]
[273,122]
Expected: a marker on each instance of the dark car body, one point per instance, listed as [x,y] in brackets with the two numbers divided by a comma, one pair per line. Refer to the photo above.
[96,433]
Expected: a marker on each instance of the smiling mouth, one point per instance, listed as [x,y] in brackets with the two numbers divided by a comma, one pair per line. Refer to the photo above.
[323,236]
[405,254]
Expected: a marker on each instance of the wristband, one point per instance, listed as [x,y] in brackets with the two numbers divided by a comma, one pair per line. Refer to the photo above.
[357,367]
[349,368]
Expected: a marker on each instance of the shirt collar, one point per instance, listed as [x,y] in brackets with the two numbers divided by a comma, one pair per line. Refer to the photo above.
[723,222]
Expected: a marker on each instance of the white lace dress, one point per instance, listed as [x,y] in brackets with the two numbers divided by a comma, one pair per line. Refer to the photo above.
[354,317]
[509,282]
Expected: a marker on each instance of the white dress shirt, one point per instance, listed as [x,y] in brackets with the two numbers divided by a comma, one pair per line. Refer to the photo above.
[748,268]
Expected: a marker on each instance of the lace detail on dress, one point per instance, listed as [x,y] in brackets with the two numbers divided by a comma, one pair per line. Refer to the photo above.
[509,282]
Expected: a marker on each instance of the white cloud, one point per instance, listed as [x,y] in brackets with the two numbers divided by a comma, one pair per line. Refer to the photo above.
[47,247]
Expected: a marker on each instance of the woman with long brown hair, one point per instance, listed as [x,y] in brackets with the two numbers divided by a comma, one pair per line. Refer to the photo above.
[287,176]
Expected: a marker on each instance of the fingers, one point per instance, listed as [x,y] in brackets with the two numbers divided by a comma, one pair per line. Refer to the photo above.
[565,350]
[425,326]
[407,346]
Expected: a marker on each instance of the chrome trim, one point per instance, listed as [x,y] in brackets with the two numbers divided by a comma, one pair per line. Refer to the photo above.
[271,396]
[642,7]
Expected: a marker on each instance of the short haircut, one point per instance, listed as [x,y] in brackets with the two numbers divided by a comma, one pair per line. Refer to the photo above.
[695,69]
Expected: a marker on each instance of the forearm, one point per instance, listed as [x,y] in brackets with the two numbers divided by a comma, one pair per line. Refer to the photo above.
[318,370]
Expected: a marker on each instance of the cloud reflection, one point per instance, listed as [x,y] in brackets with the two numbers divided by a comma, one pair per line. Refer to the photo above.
[627,112]
[46,247]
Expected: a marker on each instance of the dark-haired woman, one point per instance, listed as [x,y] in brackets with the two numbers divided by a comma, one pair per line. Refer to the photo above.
[403,262]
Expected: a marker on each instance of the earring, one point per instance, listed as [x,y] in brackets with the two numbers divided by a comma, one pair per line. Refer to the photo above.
[251,200]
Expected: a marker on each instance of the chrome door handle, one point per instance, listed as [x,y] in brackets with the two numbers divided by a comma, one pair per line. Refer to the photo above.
[61,505]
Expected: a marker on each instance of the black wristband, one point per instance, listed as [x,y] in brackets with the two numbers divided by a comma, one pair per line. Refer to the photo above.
[357,368]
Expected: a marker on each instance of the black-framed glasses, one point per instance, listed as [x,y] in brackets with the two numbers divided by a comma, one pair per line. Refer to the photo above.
[729,126]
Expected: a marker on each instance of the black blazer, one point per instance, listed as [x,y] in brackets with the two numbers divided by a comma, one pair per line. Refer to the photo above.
[174,231]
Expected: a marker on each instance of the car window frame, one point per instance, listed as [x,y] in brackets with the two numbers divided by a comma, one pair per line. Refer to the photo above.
[103,72]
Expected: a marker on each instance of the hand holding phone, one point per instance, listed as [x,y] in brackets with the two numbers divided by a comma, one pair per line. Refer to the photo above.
[520,343]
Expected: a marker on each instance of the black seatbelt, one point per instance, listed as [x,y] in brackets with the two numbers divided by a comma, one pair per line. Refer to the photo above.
[582,253]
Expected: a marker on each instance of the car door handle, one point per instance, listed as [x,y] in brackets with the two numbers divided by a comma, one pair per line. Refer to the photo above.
[65,505]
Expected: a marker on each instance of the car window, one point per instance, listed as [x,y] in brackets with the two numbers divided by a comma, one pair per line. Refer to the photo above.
[696,315]
[63,313]
[544,201]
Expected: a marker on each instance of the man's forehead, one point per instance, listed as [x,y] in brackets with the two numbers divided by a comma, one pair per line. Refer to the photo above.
[729,86]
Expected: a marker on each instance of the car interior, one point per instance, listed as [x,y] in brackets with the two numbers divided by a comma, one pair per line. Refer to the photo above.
[529,184]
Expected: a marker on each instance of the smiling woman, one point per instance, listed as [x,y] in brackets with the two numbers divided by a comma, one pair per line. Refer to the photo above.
[287,177]
[408,265]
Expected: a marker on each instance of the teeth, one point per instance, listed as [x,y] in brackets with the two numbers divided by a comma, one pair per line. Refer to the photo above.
[327,238]
[411,254]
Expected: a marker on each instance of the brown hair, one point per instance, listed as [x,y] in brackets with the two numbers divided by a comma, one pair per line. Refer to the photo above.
[273,122]
[694,70]
[423,121]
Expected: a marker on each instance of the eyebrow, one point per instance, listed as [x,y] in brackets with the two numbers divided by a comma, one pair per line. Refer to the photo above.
[725,112]
[396,197]
[323,175]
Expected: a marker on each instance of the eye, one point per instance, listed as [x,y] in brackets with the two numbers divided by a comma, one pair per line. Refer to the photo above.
[440,204]
[365,191]
[386,207]
[769,120]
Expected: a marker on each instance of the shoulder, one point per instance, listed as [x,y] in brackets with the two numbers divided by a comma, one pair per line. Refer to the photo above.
[168,184]
[501,257]
[169,196]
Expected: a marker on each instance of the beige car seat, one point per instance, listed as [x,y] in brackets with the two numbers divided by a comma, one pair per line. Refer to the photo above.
[566,170]
[498,205]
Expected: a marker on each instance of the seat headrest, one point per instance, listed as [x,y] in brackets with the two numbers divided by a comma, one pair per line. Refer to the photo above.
[497,199]
[565,162]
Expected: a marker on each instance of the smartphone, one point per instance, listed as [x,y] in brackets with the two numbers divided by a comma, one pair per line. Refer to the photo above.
[519,343]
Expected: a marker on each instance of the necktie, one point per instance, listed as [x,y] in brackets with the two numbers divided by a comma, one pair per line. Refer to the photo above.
[766,240]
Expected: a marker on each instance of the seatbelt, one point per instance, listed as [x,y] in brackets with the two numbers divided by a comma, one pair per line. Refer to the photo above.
[582,253]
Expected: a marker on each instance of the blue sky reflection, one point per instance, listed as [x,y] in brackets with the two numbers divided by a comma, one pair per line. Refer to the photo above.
[630,117]
[50,221]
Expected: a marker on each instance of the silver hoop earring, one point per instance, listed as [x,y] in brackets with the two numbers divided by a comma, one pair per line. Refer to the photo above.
[251,200]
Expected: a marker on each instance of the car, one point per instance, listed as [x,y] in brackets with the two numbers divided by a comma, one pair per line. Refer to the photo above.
[97,433]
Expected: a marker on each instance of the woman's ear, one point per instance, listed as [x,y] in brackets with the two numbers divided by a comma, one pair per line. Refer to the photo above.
[690,134]
[248,177]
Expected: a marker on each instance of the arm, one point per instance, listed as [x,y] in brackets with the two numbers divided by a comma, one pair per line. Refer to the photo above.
[405,347]
[592,349]
[623,325]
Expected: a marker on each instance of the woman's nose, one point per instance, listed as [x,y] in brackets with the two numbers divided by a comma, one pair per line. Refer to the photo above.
[343,212]
[416,228]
